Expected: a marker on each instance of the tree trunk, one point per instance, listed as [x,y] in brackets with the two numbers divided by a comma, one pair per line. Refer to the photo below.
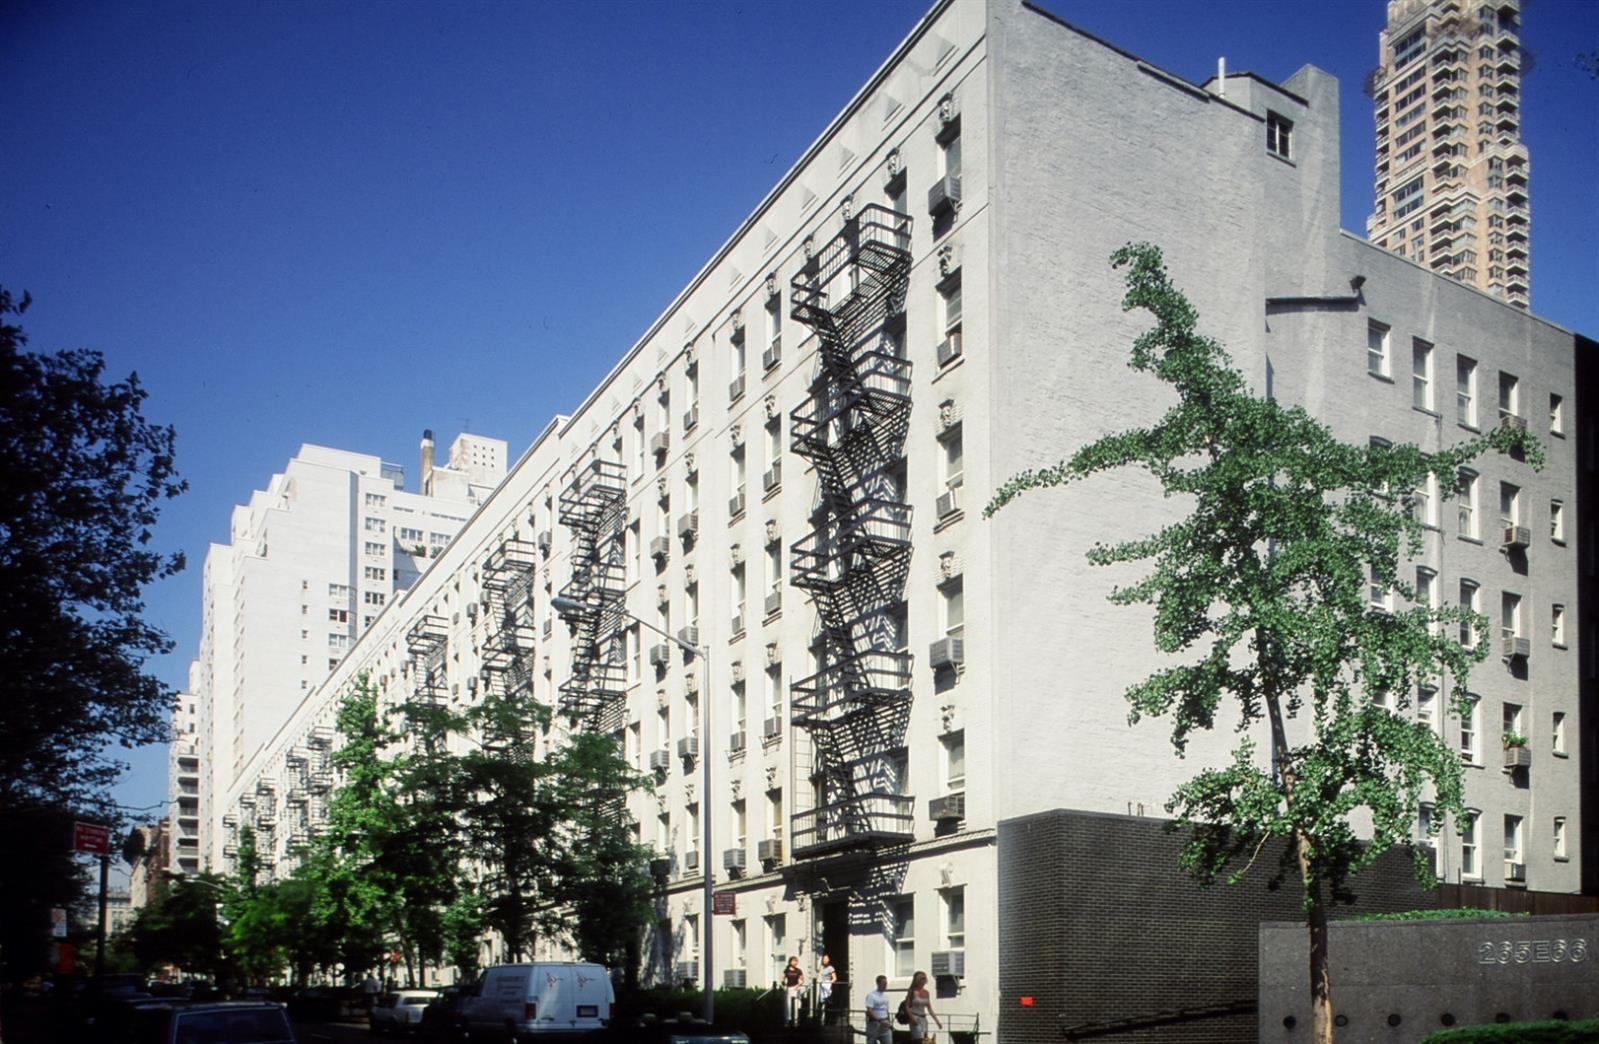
[1321,1008]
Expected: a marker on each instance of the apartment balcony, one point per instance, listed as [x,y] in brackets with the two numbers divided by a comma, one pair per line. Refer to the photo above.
[863,820]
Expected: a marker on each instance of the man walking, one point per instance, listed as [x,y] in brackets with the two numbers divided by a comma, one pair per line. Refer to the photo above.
[879,1030]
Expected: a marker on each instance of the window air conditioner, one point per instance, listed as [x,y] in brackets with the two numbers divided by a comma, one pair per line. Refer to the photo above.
[949,808]
[945,195]
[948,964]
[769,851]
[947,652]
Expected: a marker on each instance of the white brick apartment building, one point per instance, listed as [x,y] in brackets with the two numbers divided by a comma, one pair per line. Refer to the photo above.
[892,677]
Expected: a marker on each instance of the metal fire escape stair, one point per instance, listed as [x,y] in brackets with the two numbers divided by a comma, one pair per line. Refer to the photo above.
[594,508]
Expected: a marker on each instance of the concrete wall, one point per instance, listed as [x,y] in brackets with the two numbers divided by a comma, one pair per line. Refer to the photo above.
[1398,981]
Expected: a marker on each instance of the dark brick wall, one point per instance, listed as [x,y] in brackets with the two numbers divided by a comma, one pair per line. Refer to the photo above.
[1097,924]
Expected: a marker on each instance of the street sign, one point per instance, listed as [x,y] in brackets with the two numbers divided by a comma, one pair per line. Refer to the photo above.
[724,904]
[91,838]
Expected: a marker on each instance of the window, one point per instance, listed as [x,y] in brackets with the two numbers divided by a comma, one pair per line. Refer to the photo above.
[409,536]
[1509,504]
[1427,591]
[376,500]
[774,442]
[1378,594]
[740,708]
[1421,374]
[374,597]
[774,321]
[774,813]
[1509,615]
[376,550]
[1470,865]
[1557,521]
[338,641]
[1513,839]
[777,944]
[953,597]
[1377,349]
[691,935]
[954,462]
[1509,395]
[375,525]
[950,319]
[903,941]
[740,824]
[339,615]
[949,154]
[955,918]
[1427,706]
[740,940]
[1469,730]
[1466,391]
[955,761]
[1511,720]
[1425,504]
[774,568]
[375,573]
[1557,625]
[1468,602]
[1557,732]
[1279,135]
[1560,837]
[738,586]
[1557,415]
[339,592]
[640,448]
[1409,196]
[774,689]
[1466,518]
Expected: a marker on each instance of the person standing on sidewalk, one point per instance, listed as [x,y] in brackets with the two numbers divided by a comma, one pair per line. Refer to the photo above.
[826,976]
[794,983]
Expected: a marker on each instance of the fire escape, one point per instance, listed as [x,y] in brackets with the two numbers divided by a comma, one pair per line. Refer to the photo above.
[594,507]
[425,642]
[508,648]
[851,715]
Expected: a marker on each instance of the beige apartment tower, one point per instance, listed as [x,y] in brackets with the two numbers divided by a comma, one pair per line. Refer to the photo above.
[1451,168]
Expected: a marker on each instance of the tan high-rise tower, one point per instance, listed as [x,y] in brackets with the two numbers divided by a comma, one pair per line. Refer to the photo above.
[1451,168]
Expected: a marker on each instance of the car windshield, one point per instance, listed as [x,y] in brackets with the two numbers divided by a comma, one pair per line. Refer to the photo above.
[257,1026]
[418,1000]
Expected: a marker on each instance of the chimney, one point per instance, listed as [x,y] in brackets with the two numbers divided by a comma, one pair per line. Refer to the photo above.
[1221,77]
[427,462]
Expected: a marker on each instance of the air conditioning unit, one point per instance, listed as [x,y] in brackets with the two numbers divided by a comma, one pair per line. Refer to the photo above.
[549,626]
[691,683]
[735,504]
[691,859]
[948,964]
[471,611]
[688,970]
[774,602]
[691,417]
[949,808]
[733,859]
[735,742]
[734,978]
[949,349]
[688,525]
[689,635]
[1517,538]
[773,728]
[773,477]
[769,851]
[1515,871]
[945,195]
[948,502]
[738,623]
[735,388]
[1518,757]
[660,760]
[545,539]
[660,442]
[1510,420]
[660,547]
[688,747]
[947,652]
[660,654]
[1516,648]
[773,354]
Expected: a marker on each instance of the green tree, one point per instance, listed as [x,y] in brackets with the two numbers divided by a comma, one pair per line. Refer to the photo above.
[1265,581]
[84,480]
[181,925]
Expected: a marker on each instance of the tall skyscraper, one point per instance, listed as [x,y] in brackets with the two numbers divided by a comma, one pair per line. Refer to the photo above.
[312,560]
[1451,168]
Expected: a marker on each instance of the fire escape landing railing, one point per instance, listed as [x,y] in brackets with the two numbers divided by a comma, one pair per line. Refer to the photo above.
[850,716]
[426,641]
[508,648]
[594,508]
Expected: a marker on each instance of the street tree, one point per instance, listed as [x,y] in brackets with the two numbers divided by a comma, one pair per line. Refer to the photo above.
[80,494]
[181,925]
[1261,593]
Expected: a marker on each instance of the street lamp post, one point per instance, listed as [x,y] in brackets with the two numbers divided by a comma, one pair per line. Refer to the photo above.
[564,606]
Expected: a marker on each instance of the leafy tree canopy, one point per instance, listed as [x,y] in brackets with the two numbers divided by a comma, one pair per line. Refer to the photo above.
[84,480]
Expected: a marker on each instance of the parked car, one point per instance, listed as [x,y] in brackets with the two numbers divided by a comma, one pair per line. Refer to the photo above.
[441,1019]
[236,1022]
[401,1011]
[545,1001]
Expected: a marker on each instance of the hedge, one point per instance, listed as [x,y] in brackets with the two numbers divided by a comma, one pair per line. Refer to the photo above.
[1549,1032]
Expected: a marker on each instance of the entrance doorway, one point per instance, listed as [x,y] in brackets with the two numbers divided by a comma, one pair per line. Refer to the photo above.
[835,943]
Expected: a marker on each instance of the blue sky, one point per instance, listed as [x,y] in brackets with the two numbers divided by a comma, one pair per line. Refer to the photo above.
[344,223]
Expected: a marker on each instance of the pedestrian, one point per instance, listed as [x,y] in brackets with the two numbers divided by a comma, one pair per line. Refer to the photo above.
[879,1030]
[370,989]
[826,976]
[920,1006]
[794,982]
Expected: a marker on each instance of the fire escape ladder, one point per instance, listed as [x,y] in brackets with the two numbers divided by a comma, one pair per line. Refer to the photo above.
[508,648]
[594,508]
[851,715]
[425,644]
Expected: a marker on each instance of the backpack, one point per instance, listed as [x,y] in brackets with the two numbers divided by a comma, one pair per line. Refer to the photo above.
[903,1015]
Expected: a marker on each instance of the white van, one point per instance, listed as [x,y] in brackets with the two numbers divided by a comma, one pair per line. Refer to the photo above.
[546,1001]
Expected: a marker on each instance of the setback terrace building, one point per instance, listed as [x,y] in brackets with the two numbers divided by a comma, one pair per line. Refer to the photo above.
[920,752]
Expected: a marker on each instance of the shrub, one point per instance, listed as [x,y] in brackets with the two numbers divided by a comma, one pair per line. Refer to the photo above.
[1464,913]
[1547,1032]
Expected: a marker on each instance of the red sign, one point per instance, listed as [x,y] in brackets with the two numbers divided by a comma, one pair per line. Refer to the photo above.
[724,904]
[91,838]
